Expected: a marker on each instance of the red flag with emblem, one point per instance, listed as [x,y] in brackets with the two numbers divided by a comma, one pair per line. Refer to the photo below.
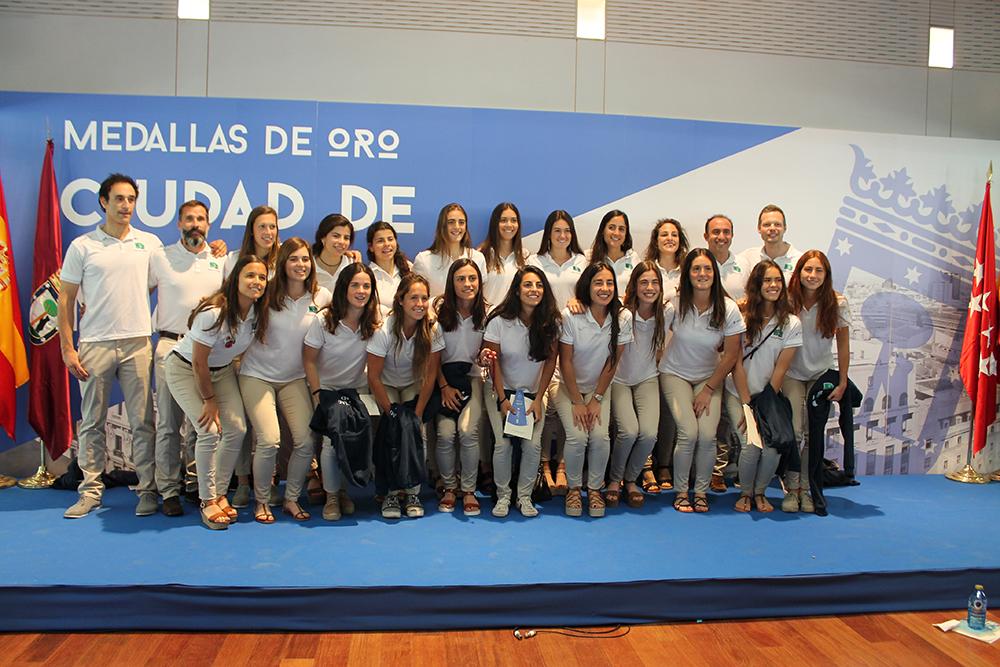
[48,403]
[978,365]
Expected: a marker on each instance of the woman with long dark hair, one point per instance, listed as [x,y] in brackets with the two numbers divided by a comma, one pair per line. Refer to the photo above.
[705,321]
[332,249]
[826,318]
[635,391]
[590,347]
[260,238]
[563,261]
[502,251]
[387,261]
[668,246]
[520,345]
[461,316]
[613,243]
[203,381]
[272,378]
[403,360]
[334,355]
[772,338]
[452,241]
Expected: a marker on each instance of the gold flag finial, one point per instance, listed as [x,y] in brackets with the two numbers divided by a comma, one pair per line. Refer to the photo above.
[989,173]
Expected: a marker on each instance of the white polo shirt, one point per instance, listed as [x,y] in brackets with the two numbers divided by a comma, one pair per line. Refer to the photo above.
[232,257]
[638,362]
[225,345]
[462,344]
[735,271]
[817,355]
[113,276]
[623,268]
[590,343]
[670,281]
[342,354]
[327,279]
[398,369]
[562,277]
[693,350]
[496,284]
[182,279]
[519,370]
[787,261]
[386,284]
[279,358]
[760,367]
[434,267]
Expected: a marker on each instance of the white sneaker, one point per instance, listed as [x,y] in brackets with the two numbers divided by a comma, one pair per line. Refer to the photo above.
[390,507]
[82,507]
[414,509]
[528,509]
[502,507]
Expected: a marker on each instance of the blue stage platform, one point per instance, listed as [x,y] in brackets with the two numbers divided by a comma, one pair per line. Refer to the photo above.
[891,544]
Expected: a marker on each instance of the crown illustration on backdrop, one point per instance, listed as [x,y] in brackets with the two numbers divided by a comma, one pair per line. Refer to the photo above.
[925,227]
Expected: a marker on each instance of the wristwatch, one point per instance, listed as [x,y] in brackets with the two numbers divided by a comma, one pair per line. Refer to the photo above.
[599,397]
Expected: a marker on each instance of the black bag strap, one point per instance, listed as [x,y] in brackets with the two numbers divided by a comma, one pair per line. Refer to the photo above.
[757,347]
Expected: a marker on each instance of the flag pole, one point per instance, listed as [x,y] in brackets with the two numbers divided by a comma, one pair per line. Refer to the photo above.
[42,479]
[968,474]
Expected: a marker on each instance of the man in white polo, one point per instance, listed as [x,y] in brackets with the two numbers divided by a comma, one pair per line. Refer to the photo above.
[771,225]
[108,270]
[735,269]
[182,273]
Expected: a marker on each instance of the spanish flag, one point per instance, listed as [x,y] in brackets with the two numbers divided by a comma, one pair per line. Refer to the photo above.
[13,360]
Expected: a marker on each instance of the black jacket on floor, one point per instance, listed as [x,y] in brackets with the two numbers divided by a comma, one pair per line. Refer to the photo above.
[341,416]
[818,412]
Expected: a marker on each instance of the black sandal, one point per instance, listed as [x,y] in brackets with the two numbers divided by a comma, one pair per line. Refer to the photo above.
[700,504]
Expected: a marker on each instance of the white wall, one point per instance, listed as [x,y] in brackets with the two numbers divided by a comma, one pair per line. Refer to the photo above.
[263,58]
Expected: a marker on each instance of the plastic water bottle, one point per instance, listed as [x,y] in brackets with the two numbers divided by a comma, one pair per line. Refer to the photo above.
[977,609]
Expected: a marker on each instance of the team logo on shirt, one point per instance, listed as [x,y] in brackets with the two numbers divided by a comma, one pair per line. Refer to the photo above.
[140,245]
[42,322]
[230,341]
[214,265]
[313,309]
[779,332]
[737,269]
[628,265]
[577,269]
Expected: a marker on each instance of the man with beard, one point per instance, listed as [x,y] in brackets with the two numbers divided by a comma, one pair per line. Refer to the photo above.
[183,274]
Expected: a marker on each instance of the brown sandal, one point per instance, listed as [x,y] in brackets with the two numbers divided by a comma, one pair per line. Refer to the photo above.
[447,502]
[743,504]
[223,504]
[634,498]
[612,496]
[213,516]
[682,504]
[763,504]
[298,513]
[470,505]
[263,514]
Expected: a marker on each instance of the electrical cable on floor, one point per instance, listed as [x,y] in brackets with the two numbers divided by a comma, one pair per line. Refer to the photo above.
[614,632]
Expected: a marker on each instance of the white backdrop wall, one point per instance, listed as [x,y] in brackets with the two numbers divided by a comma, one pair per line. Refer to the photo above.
[841,64]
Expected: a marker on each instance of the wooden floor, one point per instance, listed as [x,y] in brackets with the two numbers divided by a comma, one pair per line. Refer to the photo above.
[884,639]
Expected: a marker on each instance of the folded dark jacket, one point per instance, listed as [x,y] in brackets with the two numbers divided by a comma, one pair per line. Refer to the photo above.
[399,450]
[341,416]
[456,374]
[773,413]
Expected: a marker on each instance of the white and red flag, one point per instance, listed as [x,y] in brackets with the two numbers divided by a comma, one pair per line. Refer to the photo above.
[978,365]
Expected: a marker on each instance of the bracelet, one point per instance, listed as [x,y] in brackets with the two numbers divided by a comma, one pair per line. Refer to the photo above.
[207,398]
[709,387]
